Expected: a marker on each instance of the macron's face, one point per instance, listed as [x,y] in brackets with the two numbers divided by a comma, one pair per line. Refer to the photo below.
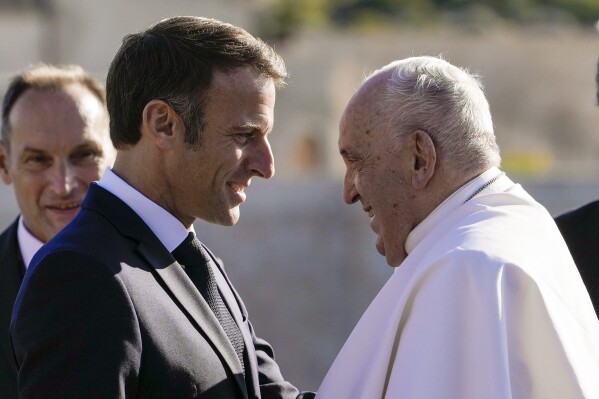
[59,144]
[211,179]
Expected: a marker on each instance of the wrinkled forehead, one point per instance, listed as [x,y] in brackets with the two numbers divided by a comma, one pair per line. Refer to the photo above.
[364,109]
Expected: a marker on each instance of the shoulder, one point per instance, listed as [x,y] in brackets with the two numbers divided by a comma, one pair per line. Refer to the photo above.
[9,234]
[523,238]
[10,251]
[585,217]
[88,236]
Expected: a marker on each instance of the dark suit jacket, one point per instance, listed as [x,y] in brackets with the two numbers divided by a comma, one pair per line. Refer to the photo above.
[12,270]
[580,229]
[106,312]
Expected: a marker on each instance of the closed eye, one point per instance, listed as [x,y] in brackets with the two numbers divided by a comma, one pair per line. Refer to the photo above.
[36,161]
[244,138]
[84,155]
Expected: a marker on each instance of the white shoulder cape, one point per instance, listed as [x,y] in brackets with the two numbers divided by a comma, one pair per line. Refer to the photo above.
[487,305]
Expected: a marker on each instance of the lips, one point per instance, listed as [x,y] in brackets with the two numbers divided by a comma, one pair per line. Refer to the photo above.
[237,189]
[65,206]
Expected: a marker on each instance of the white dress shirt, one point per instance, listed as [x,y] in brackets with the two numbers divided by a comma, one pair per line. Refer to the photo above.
[28,243]
[169,230]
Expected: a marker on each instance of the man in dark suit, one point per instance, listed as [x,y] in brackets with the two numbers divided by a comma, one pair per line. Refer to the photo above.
[580,229]
[54,143]
[125,301]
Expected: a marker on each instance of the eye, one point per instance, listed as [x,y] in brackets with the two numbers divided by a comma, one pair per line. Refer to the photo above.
[84,155]
[37,162]
[244,138]
[352,162]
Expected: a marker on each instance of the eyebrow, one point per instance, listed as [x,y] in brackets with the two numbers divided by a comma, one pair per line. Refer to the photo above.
[31,149]
[86,144]
[255,127]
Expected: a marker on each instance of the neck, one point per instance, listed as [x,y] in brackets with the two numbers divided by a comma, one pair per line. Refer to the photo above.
[443,184]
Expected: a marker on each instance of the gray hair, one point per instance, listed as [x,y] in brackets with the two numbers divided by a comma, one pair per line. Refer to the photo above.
[448,103]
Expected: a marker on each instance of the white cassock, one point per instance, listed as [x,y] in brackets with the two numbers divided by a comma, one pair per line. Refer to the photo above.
[487,305]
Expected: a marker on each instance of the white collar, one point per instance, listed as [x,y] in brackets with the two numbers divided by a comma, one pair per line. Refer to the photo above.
[449,205]
[169,230]
[28,243]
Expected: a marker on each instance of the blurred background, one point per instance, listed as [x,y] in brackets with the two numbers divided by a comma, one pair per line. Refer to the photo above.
[305,262]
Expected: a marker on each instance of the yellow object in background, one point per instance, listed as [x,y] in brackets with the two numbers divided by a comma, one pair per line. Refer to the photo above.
[526,163]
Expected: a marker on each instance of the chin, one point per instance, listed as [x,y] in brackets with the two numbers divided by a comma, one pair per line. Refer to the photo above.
[393,263]
[395,260]
[230,218]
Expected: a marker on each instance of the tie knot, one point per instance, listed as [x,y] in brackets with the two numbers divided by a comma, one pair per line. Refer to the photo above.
[189,252]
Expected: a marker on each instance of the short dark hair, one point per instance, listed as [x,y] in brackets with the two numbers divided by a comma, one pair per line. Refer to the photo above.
[45,77]
[174,61]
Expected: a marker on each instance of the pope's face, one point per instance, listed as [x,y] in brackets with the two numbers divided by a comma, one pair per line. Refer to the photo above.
[59,144]
[210,180]
[377,175]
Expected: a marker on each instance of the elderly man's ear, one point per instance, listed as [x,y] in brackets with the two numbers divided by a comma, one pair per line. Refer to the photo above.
[161,123]
[424,158]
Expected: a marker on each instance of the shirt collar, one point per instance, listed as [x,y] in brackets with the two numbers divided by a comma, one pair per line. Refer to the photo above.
[448,206]
[169,230]
[28,243]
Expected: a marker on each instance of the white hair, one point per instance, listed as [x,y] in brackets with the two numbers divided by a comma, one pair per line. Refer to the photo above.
[448,103]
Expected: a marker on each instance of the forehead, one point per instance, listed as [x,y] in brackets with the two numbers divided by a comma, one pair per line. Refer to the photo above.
[241,93]
[362,119]
[57,118]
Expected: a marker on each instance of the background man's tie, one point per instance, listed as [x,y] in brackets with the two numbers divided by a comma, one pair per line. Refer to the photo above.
[196,264]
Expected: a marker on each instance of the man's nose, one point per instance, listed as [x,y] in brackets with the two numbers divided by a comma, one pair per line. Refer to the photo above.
[63,179]
[262,163]
[350,194]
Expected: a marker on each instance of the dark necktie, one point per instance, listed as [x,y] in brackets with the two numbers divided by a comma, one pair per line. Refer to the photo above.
[196,264]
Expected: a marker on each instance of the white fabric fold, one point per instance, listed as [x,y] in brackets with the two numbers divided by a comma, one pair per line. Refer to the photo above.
[488,304]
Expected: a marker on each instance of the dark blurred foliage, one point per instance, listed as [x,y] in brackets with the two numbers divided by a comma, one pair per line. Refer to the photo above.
[44,5]
[282,18]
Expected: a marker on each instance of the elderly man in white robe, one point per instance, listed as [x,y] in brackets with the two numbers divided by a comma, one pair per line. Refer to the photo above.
[485,301]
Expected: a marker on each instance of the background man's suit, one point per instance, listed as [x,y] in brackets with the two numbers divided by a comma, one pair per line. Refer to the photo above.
[161,339]
[580,229]
[12,270]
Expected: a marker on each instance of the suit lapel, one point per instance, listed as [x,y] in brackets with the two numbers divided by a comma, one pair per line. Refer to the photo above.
[168,270]
[12,270]
[188,296]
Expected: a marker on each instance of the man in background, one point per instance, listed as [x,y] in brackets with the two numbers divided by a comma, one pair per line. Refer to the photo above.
[486,301]
[580,229]
[55,142]
[126,302]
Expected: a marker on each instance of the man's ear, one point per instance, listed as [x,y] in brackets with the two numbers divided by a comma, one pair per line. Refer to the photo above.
[161,123]
[424,158]
[4,161]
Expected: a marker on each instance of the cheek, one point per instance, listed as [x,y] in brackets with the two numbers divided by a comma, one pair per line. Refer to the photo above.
[28,189]
[90,173]
[29,181]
